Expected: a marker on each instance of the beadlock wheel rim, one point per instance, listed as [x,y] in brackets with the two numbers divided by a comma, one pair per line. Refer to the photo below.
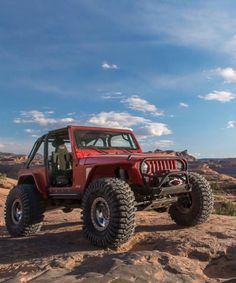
[185,204]
[16,211]
[100,214]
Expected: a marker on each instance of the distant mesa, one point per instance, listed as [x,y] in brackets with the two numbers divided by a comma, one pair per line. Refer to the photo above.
[12,158]
[11,163]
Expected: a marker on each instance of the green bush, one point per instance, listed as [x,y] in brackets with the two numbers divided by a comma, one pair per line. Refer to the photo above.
[3,176]
[216,188]
[227,208]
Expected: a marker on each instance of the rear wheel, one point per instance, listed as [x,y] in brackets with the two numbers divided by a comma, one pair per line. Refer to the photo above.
[108,212]
[24,211]
[195,207]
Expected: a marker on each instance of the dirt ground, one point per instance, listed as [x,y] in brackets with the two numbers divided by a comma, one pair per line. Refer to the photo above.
[160,251]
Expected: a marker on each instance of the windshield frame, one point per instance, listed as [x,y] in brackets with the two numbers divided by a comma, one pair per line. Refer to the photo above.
[104,149]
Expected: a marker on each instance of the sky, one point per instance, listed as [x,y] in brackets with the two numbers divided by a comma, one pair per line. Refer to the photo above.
[166,69]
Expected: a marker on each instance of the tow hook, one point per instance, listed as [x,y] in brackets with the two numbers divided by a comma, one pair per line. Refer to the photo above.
[175,182]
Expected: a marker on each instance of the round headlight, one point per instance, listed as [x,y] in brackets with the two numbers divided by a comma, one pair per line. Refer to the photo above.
[144,168]
[180,165]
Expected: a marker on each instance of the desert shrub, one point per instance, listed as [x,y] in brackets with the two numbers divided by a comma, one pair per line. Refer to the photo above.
[216,188]
[3,176]
[226,208]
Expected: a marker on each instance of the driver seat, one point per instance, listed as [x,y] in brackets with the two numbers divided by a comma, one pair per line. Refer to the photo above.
[61,159]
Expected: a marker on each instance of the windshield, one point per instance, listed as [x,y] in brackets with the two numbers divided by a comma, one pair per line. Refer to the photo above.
[104,140]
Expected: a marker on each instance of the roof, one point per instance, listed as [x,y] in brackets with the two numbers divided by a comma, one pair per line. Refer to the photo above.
[100,128]
[56,131]
[90,128]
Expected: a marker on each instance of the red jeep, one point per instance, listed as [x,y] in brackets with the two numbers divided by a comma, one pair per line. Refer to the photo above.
[104,172]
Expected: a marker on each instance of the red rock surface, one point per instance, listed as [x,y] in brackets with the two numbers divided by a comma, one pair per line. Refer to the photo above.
[160,251]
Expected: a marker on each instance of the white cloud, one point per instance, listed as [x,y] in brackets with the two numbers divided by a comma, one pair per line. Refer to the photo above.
[2,145]
[29,131]
[221,96]
[33,133]
[153,129]
[42,119]
[143,127]
[183,104]
[229,74]
[136,103]
[163,143]
[108,96]
[17,120]
[230,124]
[107,66]
[113,95]
[115,119]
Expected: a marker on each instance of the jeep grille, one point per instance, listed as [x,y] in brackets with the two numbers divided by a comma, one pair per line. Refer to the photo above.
[155,166]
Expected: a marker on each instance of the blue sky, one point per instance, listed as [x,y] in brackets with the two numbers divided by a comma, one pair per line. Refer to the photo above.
[166,69]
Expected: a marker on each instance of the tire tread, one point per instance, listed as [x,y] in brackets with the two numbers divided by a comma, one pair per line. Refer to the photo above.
[121,199]
[206,203]
[33,207]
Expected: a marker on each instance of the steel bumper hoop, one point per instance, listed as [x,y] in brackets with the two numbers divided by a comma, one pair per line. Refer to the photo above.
[164,176]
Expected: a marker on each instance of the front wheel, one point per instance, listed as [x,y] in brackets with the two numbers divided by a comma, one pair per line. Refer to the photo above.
[195,207]
[108,212]
[24,211]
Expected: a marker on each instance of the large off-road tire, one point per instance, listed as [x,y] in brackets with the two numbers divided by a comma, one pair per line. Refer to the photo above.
[197,206]
[24,211]
[108,212]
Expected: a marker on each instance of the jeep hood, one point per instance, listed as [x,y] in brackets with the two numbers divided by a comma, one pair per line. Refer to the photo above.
[129,157]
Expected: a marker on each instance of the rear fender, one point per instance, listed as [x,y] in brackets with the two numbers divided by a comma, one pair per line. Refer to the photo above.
[33,179]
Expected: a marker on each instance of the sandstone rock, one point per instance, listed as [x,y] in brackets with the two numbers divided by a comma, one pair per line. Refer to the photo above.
[160,251]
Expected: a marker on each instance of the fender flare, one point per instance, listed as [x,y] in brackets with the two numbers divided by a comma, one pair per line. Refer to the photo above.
[38,186]
[89,177]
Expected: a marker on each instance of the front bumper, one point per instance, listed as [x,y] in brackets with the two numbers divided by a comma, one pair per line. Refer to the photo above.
[157,182]
[162,190]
